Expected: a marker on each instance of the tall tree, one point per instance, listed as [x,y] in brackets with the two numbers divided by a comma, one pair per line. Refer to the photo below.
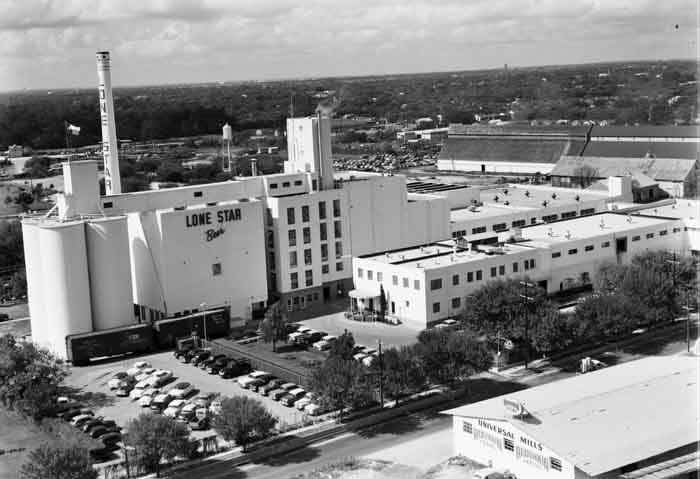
[402,371]
[156,439]
[448,355]
[274,326]
[50,462]
[243,419]
[341,383]
[382,302]
[343,347]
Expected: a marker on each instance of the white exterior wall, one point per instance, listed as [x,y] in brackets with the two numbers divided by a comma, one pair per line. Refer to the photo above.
[81,194]
[529,459]
[35,281]
[309,148]
[109,272]
[426,219]
[495,166]
[145,243]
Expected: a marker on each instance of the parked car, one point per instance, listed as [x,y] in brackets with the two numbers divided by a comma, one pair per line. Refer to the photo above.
[104,453]
[210,361]
[265,389]
[160,377]
[235,368]
[160,402]
[215,407]
[90,425]
[181,390]
[245,381]
[492,473]
[100,431]
[277,394]
[218,364]
[174,407]
[139,388]
[116,380]
[321,345]
[137,368]
[111,438]
[314,409]
[189,354]
[199,357]
[367,361]
[124,389]
[186,414]
[359,357]
[292,396]
[81,419]
[144,374]
[313,337]
[300,404]
[200,421]
[148,395]
[69,414]
[204,399]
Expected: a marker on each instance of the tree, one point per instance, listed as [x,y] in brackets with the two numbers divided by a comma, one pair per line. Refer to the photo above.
[11,245]
[551,332]
[402,370]
[585,175]
[382,302]
[602,316]
[243,420]
[274,326]
[343,347]
[50,462]
[451,355]
[341,383]
[29,377]
[156,439]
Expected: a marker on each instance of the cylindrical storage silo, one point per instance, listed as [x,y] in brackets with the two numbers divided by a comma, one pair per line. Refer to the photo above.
[227,132]
[66,285]
[110,272]
[35,281]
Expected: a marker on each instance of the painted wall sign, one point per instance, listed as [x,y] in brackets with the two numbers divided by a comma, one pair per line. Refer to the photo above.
[209,217]
[211,234]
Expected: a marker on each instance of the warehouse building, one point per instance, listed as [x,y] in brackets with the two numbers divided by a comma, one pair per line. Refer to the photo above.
[635,420]
[430,283]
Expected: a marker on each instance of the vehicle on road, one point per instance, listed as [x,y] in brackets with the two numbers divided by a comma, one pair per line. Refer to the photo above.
[174,407]
[137,368]
[189,354]
[116,380]
[181,390]
[160,402]
[292,396]
[492,473]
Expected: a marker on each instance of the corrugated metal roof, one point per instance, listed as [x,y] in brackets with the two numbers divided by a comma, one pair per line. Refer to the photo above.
[519,149]
[610,418]
[663,169]
[667,469]
[640,149]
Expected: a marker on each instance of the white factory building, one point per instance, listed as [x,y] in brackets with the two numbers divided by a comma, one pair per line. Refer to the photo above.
[637,420]
[430,283]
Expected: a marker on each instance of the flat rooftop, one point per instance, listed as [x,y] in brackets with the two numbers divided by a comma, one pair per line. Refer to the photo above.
[610,418]
[583,227]
[680,208]
[444,253]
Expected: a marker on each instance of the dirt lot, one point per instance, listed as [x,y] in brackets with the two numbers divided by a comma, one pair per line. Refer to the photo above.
[94,379]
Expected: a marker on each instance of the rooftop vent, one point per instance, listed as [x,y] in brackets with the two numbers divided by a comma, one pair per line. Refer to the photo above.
[602,224]
[527,193]
[568,234]
[554,196]
[550,232]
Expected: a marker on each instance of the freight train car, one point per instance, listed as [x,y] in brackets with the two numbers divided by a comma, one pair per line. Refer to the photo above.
[168,331]
[81,348]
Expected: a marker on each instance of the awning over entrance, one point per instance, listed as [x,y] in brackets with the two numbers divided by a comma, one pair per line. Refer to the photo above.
[364,292]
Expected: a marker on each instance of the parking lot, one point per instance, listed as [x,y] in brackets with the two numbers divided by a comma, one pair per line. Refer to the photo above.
[93,379]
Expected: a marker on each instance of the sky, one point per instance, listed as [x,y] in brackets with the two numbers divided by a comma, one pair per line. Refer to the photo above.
[49,44]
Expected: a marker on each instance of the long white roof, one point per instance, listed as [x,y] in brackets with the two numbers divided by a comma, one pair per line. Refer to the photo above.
[607,419]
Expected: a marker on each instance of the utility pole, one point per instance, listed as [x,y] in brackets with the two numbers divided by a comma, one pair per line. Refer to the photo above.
[203,307]
[381,373]
[528,300]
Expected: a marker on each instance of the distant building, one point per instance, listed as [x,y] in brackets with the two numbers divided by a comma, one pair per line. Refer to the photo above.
[17,151]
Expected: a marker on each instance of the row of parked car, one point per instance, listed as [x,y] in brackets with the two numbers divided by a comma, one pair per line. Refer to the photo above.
[104,430]
[287,393]
[308,337]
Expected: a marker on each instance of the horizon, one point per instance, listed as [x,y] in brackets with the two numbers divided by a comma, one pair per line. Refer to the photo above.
[47,44]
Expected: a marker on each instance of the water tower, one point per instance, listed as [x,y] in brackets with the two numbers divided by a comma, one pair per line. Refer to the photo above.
[227,137]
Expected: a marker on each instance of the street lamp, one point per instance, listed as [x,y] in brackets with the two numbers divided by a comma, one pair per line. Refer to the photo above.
[203,308]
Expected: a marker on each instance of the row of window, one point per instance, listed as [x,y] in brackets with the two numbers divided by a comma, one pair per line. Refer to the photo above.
[308,259]
[499,270]
[394,278]
[306,215]
[520,223]
[309,276]
[286,184]
[323,232]
[455,302]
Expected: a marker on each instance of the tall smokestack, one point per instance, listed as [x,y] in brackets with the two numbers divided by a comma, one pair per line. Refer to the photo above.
[110,148]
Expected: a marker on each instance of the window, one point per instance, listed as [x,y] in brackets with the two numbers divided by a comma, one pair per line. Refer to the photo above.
[470,277]
[309,276]
[307,257]
[314,185]
[322,210]
[325,269]
[292,259]
[568,214]
[324,252]
[588,247]
[467,427]
[405,282]
[107,204]
[549,218]
[273,186]
[270,240]
[359,272]
[587,211]
[305,214]
[508,444]
[456,303]
[573,251]
[479,275]
[675,230]
[416,284]
[533,221]
[337,229]
[292,237]
[555,464]
[380,276]
[395,280]
[339,266]
[532,264]
[324,231]
[307,235]
[500,227]
[455,279]
[338,250]
[636,238]
[197,194]
[606,244]
[650,235]
[480,229]
[494,271]
[663,232]
[285,184]
[297,182]
[290,216]
[502,269]
[436,307]
[370,274]
[518,223]
[271,259]
[556,254]
[336,208]
[435,284]
[294,279]
[216,269]
[515,267]
[269,217]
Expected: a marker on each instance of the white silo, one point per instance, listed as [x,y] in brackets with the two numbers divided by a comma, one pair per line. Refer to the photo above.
[109,272]
[66,285]
[35,281]
[227,137]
